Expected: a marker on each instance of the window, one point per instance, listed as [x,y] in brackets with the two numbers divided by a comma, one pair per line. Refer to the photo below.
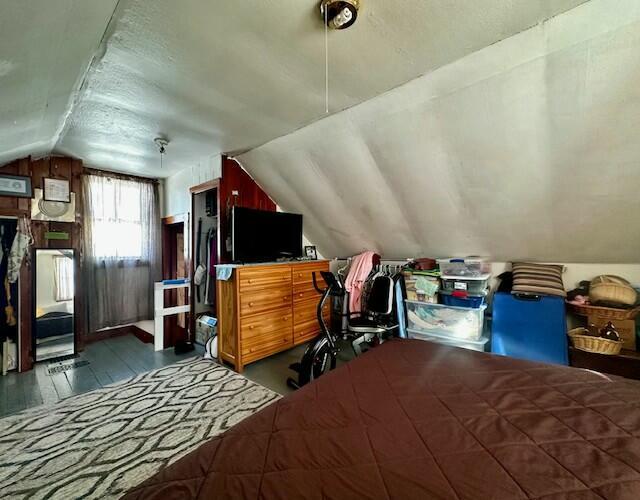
[119,217]
[63,278]
[121,248]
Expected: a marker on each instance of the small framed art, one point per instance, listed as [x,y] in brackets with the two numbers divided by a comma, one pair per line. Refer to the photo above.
[15,185]
[56,190]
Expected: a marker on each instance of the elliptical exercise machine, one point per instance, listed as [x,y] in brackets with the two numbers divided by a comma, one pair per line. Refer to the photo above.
[320,355]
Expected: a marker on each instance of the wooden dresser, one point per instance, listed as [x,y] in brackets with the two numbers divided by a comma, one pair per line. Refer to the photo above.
[267,308]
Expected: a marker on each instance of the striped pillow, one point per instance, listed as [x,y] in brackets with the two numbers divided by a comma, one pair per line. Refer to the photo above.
[538,279]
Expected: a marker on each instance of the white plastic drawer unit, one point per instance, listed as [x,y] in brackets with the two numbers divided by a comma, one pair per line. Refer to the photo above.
[454,322]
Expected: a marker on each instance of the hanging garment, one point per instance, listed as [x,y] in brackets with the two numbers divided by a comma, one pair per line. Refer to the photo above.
[21,243]
[361,267]
[208,295]
[400,296]
[212,260]
[196,280]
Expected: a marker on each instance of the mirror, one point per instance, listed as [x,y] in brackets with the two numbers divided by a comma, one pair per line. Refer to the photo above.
[54,331]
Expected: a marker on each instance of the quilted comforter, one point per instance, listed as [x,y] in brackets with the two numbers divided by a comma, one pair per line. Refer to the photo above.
[414,419]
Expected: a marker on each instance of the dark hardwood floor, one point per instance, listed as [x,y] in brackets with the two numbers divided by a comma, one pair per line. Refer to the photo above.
[109,361]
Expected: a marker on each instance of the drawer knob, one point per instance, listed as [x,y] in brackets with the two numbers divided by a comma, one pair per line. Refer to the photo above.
[250,304]
[249,281]
[251,327]
[301,294]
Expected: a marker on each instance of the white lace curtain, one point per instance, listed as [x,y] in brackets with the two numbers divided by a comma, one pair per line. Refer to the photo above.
[63,278]
[122,249]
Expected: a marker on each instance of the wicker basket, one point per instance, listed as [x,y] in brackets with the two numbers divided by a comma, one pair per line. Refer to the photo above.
[594,344]
[603,312]
[612,290]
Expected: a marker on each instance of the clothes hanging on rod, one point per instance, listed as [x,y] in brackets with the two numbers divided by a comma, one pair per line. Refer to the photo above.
[359,271]
[19,249]
[8,291]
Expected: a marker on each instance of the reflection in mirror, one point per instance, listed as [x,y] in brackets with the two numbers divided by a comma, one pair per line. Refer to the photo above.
[54,320]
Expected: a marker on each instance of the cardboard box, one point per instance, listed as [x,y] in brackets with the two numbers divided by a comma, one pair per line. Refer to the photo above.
[626,329]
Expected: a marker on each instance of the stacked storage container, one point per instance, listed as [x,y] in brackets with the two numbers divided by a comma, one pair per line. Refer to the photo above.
[459,318]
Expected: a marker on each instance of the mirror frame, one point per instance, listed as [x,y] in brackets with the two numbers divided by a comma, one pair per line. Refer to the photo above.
[34,295]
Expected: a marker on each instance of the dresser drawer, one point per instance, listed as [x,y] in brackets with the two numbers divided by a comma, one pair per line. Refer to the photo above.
[305,312]
[303,273]
[265,300]
[255,279]
[252,351]
[305,331]
[304,292]
[266,325]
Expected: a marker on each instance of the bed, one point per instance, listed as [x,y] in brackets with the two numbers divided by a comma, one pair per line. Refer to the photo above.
[54,324]
[413,419]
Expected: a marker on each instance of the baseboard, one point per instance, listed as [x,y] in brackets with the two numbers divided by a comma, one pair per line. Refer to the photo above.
[120,331]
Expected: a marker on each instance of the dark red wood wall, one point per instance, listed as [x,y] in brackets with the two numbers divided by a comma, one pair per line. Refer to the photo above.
[250,195]
[59,168]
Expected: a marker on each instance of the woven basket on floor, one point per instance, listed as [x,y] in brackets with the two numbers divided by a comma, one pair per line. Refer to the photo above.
[594,344]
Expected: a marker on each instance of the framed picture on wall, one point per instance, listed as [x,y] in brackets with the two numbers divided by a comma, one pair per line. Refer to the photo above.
[15,185]
[56,190]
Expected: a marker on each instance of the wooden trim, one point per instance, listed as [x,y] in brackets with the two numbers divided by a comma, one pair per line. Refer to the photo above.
[27,309]
[142,335]
[118,175]
[120,331]
[175,219]
[204,187]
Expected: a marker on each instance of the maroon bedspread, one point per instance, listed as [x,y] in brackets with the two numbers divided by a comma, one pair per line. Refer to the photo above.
[413,419]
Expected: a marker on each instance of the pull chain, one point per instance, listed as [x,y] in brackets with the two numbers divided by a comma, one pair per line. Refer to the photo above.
[326,59]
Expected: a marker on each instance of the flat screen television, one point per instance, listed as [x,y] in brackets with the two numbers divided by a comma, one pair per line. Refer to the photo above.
[261,236]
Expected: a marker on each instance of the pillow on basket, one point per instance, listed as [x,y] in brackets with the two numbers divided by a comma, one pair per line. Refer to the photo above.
[538,279]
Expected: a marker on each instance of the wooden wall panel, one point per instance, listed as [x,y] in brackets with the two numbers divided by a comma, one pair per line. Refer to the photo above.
[250,195]
[39,170]
[24,168]
[59,168]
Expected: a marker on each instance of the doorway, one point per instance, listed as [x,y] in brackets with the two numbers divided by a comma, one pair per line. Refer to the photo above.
[175,265]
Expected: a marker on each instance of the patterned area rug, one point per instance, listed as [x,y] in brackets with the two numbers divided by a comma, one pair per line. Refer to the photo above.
[102,443]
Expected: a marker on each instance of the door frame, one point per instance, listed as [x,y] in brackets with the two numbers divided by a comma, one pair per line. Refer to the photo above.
[193,191]
[169,224]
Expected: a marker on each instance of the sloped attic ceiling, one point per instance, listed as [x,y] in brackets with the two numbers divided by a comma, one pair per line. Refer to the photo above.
[526,149]
[228,75]
[45,49]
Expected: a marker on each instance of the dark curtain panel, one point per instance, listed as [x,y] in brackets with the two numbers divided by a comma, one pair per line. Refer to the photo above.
[122,250]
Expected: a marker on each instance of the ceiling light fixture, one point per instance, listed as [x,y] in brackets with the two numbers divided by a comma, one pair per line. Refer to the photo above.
[162,144]
[339,14]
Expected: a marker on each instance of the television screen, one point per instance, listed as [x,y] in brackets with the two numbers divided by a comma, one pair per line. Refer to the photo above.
[261,236]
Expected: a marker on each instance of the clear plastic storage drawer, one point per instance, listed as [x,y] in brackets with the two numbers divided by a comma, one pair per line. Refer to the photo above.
[474,286]
[464,267]
[453,322]
[474,345]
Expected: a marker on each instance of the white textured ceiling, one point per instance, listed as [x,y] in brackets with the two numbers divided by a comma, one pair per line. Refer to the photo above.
[527,149]
[227,75]
[45,49]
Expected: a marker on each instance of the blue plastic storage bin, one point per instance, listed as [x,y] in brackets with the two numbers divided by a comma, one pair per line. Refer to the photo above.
[448,299]
[533,328]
